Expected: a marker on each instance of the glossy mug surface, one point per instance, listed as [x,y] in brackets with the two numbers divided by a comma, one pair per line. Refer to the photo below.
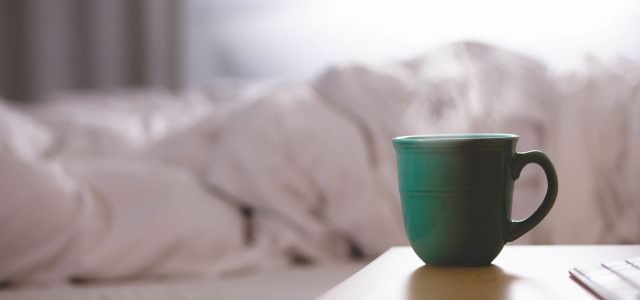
[456,195]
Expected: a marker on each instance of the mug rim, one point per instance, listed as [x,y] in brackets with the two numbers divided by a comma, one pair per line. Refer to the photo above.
[450,137]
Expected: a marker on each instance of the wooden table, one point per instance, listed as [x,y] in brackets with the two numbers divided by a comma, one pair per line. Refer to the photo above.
[519,272]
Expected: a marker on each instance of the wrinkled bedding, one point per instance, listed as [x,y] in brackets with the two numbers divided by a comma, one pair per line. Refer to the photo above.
[240,177]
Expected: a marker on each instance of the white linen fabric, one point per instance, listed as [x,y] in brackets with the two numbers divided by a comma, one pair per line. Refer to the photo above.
[109,219]
[90,124]
[254,176]
[21,135]
[596,148]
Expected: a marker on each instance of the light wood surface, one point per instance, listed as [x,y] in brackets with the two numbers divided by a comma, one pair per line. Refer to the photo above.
[519,272]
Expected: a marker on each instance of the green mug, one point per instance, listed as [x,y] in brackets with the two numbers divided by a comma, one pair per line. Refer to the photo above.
[456,192]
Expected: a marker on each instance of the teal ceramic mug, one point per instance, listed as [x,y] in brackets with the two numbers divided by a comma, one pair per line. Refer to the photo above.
[456,192]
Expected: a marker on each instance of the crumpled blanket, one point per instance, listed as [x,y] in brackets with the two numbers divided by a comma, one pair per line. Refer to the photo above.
[236,178]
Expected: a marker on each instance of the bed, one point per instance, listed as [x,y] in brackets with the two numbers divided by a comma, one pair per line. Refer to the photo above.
[282,189]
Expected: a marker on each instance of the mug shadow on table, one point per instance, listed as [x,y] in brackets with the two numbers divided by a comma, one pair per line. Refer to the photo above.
[490,282]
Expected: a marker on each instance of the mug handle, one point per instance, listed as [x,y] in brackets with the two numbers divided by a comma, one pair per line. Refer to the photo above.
[516,229]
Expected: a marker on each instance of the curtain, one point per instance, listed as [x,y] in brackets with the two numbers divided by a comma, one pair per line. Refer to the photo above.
[52,45]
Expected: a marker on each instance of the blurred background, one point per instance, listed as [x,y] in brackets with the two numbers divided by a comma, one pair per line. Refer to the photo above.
[53,45]
[113,128]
